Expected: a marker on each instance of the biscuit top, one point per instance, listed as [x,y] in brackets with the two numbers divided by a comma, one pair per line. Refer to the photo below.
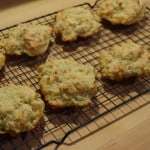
[121,11]
[65,82]
[125,60]
[20,109]
[76,21]
[29,39]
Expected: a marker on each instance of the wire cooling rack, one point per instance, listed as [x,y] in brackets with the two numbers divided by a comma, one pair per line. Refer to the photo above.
[57,125]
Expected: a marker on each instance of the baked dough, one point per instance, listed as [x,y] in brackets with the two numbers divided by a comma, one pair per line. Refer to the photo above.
[2,60]
[21,109]
[28,39]
[125,12]
[67,83]
[124,61]
[76,22]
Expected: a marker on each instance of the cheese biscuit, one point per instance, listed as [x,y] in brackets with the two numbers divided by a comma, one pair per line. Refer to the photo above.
[67,83]
[124,12]
[124,61]
[76,22]
[21,109]
[28,39]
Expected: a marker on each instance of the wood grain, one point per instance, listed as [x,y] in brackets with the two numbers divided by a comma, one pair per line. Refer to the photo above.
[13,11]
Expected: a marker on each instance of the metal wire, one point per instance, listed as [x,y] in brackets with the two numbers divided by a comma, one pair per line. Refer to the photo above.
[56,126]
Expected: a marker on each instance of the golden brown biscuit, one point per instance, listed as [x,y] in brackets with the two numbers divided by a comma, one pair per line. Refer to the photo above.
[21,109]
[76,22]
[125,12]
[2,60]
[67,83]
[124,61]
[28,39]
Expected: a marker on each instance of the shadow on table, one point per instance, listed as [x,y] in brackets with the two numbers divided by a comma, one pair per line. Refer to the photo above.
[11,3]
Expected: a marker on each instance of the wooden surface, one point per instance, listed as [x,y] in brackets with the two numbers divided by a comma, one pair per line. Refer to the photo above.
[130,130]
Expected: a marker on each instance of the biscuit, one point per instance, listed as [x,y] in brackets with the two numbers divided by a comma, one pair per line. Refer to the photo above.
[28,39]
[2,60]
[124,61]
[21,109]
[124,12]
[67,83]
[76,22]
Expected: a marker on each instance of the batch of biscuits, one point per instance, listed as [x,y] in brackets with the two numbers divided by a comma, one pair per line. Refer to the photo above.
[65,82]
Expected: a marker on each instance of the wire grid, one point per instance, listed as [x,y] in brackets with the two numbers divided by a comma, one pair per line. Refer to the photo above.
[57,125]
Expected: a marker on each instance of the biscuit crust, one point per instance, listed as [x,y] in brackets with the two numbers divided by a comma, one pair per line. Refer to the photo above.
[2,60]
[21,109]
[67,83]
[124,12]
[76,22]
[124,61]
[28,39]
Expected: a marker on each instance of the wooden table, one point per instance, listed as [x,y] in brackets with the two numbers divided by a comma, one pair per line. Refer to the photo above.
[131,128]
